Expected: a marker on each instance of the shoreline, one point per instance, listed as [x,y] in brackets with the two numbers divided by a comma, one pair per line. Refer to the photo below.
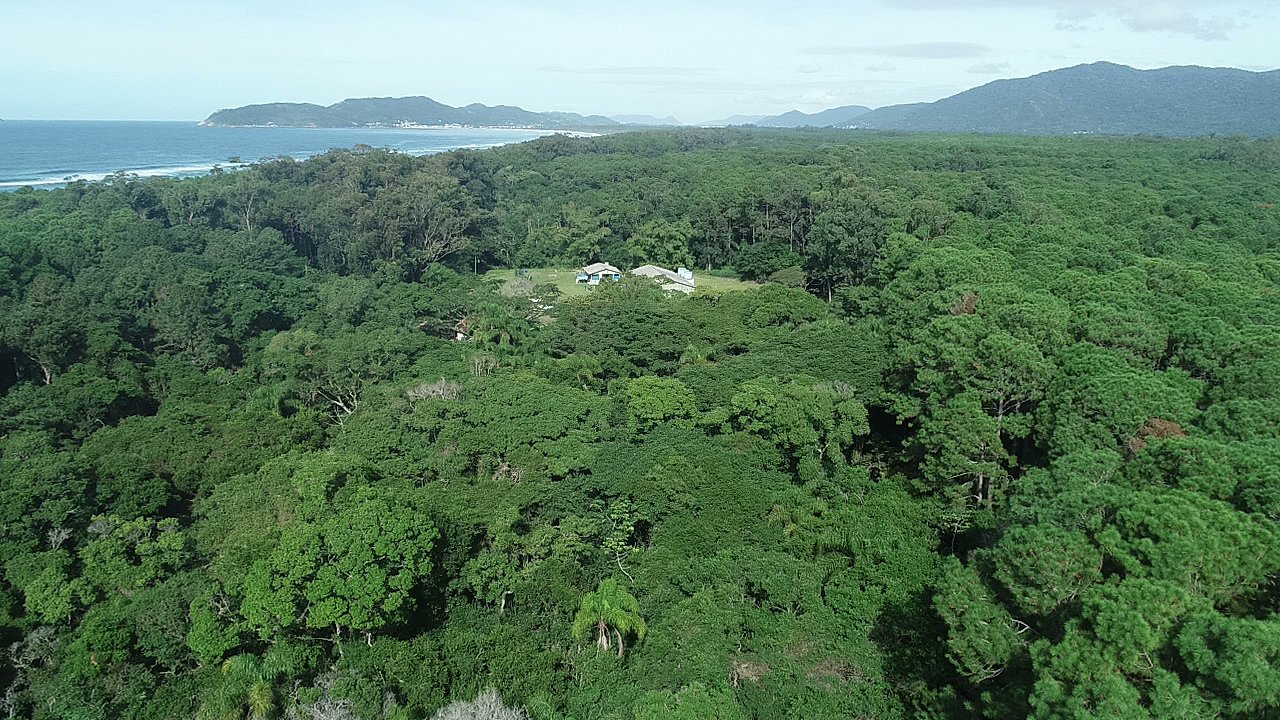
[55,170]
[549,131]
[411,126]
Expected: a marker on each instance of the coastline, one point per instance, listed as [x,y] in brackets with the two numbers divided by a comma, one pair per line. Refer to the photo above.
[413,126]
[51,154]
[549,131]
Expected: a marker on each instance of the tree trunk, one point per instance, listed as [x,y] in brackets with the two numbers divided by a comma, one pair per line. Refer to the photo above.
[602,641]
[615,632]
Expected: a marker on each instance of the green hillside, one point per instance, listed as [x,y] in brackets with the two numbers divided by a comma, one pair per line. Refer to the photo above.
[1102,99]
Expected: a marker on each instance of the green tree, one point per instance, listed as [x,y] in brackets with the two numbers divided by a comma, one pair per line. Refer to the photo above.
[47,327]
[812,425]
[610,608]
[692,702]
[661,243]
[421,220]
[250,687]
[1100,401]
[357,569]
[1237,659]
[982,637]
[652,401]
[580,232]
[846,238]
[760,261]
[1045,566]
[963,452]
[189,325]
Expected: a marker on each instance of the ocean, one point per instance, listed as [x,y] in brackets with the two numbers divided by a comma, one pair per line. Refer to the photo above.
[49,153]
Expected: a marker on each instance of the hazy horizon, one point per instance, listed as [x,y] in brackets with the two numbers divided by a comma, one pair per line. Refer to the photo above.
[150,60]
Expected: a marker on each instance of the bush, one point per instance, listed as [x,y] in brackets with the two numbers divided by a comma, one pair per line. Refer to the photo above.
[488,705]
[792,277]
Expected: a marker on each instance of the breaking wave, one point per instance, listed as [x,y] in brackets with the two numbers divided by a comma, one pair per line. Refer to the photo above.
[48,155]
[175,171]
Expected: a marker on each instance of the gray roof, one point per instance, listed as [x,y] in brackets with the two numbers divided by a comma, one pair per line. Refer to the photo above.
[667,276]
[598,268]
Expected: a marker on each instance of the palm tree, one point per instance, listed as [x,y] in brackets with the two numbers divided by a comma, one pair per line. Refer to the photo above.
[497,329]
[245,692]
[609,608]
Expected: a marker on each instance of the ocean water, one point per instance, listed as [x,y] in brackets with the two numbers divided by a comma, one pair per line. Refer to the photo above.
[49,153]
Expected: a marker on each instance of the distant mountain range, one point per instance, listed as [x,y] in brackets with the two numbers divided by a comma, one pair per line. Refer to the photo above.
[1100,98]
[835,117]
[647,120]
[734,120]
[363,112]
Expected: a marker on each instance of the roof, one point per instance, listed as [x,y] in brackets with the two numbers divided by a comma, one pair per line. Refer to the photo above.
[667,276]
[599,268]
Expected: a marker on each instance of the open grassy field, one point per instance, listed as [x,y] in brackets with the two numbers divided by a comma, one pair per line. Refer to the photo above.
[563,278]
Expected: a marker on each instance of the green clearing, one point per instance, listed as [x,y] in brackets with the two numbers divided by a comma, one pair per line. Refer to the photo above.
[564,280]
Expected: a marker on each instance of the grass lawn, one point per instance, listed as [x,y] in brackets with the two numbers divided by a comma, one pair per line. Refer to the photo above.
[708,283]
[565,280]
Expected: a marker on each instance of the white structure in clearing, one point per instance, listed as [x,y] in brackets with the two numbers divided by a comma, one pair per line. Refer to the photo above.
[595,272]
[681,280]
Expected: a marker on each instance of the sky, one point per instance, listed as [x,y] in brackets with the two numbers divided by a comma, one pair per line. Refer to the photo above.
[697,61]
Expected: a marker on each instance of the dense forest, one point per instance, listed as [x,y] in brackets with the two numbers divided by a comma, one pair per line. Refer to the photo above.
[996,436]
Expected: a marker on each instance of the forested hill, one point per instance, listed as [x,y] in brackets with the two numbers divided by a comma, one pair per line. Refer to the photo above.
[997,435]
[835,117]
[362,112]
[1105,99]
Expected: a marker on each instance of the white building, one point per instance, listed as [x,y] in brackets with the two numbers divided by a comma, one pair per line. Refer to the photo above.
[595,272]
[680,280]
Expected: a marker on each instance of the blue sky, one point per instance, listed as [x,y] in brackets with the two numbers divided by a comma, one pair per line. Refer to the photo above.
[170,59]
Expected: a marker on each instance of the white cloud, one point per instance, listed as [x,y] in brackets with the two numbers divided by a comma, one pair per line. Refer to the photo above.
[822,98]
[991,68]
[1076,14]
[1200,19]
[925,50]
[632,70]
[1165,17]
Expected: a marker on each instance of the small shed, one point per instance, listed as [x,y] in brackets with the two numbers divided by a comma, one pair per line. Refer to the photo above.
[679,280]
[595,272]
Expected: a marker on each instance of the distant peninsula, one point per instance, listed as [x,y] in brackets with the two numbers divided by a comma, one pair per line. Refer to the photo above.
[400,112]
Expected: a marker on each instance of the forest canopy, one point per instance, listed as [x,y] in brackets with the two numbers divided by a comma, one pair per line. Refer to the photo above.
[997,434]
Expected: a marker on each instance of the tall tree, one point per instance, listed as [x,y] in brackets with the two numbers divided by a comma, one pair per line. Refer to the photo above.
[358,569]
[609,609]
